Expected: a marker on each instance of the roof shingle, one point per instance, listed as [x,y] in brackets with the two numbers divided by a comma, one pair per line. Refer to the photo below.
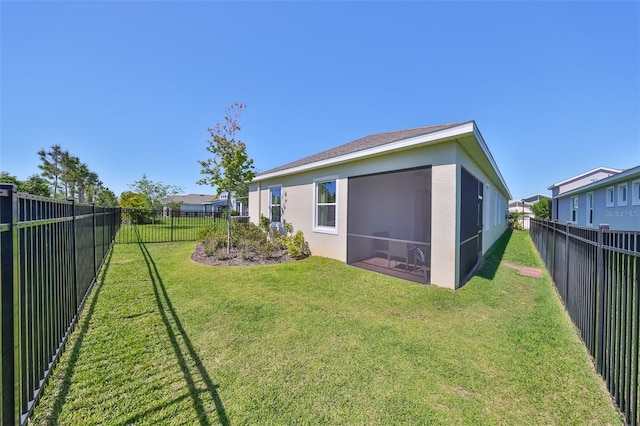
[366,142]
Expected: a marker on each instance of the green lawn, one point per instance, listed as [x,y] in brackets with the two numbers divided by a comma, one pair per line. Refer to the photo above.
[165,229]
[165,340]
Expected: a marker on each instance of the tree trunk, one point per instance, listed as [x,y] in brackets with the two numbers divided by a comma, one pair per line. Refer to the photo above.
[229,222]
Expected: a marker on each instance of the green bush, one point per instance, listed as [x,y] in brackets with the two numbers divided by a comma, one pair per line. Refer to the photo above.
[294,244]
[137,208]
[250,239]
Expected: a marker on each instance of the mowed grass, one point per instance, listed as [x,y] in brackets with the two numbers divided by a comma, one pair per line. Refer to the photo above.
[165,340]
[164,229]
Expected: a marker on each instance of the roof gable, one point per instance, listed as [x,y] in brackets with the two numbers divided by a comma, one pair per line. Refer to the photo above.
[465,133]
[625,175]
[585,175]
[361,144]
[189,199]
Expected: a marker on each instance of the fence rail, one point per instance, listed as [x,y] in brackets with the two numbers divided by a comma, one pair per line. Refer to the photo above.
[51,252]
[597,275]
[151,226]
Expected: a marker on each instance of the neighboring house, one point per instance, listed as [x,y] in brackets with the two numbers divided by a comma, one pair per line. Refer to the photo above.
[203,203]
[612,200]
[189,203]
[557,189]
[220,204]
[524,206]
[423,204]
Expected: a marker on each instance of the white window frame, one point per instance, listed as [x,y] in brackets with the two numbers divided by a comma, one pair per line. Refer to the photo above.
[635,192]
[623,195]
[315,227]
[574,204]
[590,212]
[271,188]
[611,191]
[487,206]
[496,202]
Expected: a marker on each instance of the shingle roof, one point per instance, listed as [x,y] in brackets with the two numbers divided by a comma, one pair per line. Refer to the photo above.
[189,199]
[370,141]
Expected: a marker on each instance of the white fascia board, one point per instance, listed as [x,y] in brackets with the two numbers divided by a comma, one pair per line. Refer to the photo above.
[487,153]
[608,181]
[416,141]
[597,169]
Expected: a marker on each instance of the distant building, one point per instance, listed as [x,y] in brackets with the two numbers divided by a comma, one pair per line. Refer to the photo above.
[189,202]
[203,203]
[599,196]
[524,206]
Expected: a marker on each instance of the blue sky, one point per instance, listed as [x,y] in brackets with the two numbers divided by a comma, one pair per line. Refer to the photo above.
[131,87]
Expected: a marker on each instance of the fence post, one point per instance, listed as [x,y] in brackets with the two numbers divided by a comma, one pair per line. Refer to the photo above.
[553,254]
[10,409]
[171,214]
[74,257]
[600,283]
[566,267]
[93,217]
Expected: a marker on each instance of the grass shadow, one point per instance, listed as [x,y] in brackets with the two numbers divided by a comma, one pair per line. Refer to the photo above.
[175,331]
[59,399]
[491,261]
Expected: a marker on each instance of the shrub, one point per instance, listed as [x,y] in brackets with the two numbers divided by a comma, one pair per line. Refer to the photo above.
[268,250]
[213,239]
[137,208]
[294,244]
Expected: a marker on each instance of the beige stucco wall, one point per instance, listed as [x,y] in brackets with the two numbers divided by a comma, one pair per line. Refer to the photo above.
[445,158]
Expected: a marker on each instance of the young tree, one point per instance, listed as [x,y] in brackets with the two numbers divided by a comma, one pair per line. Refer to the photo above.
[154,191]
[229,167]
[542,209]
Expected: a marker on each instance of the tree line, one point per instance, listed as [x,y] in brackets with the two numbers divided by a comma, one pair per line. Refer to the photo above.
[63,176]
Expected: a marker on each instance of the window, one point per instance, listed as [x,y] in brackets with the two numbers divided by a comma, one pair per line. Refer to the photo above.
[610,196]
[590,208]
[574,209]
[497,207]
[487,206]
[635,192]
[325,204]
[275,204]
[622,194]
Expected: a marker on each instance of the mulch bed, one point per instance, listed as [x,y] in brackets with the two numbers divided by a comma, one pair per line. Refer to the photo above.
[236,258]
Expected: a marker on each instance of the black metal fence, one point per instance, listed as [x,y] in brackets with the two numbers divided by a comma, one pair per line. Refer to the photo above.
[597,275]
[153,226]
[50,252]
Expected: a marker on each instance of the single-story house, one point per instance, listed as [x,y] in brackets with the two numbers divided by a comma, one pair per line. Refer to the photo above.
[423,204]
[613,199]
[189,202]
